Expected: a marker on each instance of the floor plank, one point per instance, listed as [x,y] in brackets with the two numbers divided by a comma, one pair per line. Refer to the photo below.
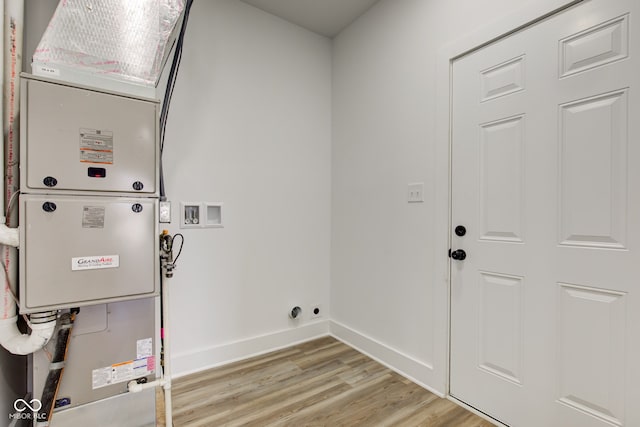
[316,384]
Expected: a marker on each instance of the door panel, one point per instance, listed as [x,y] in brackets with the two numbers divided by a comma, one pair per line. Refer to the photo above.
[594,47]
[501,180]
[591,365]
[545,312]
[500,325]
[593,171]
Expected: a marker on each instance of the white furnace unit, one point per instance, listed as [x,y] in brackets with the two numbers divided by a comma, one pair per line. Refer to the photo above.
[88,204]
[89,244]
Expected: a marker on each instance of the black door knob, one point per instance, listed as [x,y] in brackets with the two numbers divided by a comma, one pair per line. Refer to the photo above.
[49,206]
[50,181]
[461,230]
[458,255]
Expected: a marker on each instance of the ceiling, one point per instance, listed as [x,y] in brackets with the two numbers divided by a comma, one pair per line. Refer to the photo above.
[326,17]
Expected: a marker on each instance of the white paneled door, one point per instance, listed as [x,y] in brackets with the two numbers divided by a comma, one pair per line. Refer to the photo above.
[545,306]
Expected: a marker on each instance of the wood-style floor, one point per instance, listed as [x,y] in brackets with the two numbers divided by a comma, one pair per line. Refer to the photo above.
[318,383]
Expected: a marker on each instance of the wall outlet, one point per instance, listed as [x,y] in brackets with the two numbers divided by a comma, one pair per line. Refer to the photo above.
[316,311]
[415,192]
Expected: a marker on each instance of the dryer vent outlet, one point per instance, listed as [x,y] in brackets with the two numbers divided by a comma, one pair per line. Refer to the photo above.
[295,312]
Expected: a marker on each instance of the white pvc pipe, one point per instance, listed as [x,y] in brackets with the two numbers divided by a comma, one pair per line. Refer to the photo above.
[6,301]
[12,66]
[9,236]
[165,381]
[17,343]
[10,336]
[134,387]
[167,353]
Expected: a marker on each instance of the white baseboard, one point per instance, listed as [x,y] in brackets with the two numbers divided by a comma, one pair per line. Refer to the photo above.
[415,370]
[210,357]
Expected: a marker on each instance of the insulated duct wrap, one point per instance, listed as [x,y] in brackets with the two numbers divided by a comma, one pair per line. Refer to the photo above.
[120,39]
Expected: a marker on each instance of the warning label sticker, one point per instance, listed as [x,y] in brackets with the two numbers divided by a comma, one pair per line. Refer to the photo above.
[144,348]
[95,262]
[96,146]
[93,216]
[101,377]
[122,372]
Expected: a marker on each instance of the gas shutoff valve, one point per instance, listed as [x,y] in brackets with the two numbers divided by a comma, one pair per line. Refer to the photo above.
[167,262]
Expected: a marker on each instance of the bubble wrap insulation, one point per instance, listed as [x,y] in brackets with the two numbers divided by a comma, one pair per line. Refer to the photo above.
[124,39]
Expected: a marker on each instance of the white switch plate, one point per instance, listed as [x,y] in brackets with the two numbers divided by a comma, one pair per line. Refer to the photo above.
[415,192]
[165,212]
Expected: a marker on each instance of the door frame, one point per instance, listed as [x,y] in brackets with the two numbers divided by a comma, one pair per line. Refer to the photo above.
[530,13]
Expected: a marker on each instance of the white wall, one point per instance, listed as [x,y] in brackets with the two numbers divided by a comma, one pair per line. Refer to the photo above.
[250,126]
[388,296]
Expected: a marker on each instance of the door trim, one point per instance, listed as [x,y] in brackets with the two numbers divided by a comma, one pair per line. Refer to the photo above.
[530,14]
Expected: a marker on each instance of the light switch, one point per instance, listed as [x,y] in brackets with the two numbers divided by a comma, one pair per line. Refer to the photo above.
[415,192]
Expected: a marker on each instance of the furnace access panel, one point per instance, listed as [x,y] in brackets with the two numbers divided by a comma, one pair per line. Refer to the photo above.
[80,250]
[77,139]
[111,344]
